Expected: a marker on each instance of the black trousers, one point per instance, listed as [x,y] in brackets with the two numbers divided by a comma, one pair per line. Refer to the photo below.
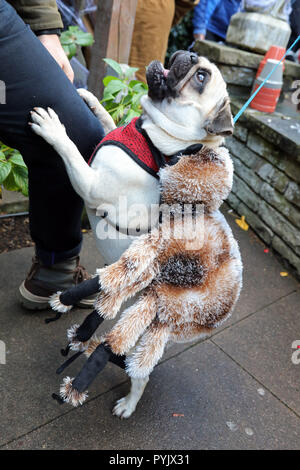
[33,78]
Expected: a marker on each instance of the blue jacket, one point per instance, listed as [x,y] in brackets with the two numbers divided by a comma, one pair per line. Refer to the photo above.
[214,16]
[202,13]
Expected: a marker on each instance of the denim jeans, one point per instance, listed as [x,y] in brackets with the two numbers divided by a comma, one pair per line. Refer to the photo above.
[33,78]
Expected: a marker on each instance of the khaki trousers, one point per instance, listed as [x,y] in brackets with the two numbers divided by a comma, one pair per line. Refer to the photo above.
[153,21]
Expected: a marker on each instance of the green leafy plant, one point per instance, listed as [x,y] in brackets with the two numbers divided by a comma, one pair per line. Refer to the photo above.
[13,171]
[74,37]
[122,94]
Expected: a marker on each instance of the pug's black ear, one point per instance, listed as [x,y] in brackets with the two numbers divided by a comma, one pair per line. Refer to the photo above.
[222,124]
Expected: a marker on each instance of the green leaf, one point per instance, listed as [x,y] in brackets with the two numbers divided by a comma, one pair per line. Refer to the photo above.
[10,183]
[66,49]
[66,40]
[21,178]
[2,156]
[107,97]
[5,169]
[133,82]
[17,159]
[130,72]
[118,114]
[108,79]
[72,50]
[115,86]
[84,39]
[114,65]
[140,87]
[132,114]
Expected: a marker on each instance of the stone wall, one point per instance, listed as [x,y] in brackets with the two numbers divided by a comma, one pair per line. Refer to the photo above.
[265,149]
[266,191]
[239,67]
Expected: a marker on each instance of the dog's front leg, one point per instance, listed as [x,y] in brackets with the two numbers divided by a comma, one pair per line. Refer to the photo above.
[97,108]
[127,405]
[83,178]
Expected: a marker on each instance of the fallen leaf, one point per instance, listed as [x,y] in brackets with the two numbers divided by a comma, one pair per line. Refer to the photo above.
[84,230]
[242,223]
[284,274]
[266,250]
[176,415]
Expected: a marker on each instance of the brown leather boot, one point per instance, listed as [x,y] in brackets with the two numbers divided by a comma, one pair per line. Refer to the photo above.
[43,281]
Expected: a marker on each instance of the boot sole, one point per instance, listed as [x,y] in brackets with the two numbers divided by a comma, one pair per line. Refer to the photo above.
[31,301]
[35,302]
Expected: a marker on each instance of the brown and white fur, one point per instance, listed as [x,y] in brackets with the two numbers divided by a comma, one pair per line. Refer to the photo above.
[193,110]
[189,284]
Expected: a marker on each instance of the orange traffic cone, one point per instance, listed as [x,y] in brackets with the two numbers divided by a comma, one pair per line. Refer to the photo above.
[275,52]
[266,99]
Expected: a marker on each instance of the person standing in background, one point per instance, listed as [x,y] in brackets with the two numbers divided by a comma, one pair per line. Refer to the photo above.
[153,22]
[212,17]
[36,72]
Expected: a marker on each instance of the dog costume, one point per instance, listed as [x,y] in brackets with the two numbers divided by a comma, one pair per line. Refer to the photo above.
[188,280]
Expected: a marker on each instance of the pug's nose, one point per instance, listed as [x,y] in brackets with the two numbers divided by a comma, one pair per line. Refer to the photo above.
[194,58]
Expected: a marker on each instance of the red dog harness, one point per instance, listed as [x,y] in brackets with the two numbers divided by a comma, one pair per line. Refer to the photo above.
[134,141]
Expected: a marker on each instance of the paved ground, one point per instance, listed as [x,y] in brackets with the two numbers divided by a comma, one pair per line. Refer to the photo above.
[237,390]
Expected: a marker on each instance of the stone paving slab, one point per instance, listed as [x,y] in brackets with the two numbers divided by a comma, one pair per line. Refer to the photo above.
[262,344]
[262,283]
[221,405]
[28,378]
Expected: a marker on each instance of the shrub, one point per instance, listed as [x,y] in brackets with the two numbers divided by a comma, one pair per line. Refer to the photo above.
[13,171]
[73,38]
[122,94]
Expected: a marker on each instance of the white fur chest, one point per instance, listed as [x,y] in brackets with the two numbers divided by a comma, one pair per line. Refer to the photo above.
[126,194]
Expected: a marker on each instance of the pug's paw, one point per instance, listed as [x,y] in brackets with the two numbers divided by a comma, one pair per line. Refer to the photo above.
[89,98]
[47,125]
[124,407]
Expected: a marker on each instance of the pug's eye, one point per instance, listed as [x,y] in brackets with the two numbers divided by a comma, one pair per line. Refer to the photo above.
[200,76]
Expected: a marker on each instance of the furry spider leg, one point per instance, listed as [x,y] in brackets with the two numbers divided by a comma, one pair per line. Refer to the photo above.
[114,358]
[133,272]
[74,391]
[149,350]
[133,322]
[115,291]
[79,335]
[63,301]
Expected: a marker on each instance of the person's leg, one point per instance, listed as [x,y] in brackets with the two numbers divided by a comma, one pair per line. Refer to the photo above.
[33,78]
[210,36]
[152,26]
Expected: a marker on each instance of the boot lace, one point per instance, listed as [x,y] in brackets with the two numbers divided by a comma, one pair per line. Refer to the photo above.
[80,273]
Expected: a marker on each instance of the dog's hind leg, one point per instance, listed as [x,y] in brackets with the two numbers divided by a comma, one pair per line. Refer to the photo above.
[139,364]
[127,405]
[100,112]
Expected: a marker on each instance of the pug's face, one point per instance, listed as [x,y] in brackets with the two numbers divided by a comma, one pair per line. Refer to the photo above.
[191,93]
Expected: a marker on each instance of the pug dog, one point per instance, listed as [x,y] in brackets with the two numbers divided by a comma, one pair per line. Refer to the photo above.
[187,105]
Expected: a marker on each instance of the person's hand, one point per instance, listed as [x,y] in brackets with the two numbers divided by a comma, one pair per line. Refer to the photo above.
[199,37]
[53,45]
